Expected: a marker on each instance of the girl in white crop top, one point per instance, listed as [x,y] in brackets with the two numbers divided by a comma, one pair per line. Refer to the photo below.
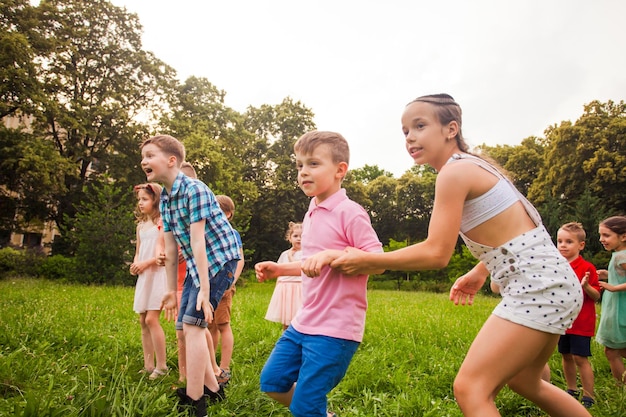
[541,295]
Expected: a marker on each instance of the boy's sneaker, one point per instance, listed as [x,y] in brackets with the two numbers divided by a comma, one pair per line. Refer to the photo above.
[214,397]
[223,377]
[588,402]
[197,408]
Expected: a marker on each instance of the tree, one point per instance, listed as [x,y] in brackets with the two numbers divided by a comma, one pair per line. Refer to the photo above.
[282,200]
[97,82]
[103,231]
[223,153]
[590,154]
[368,173]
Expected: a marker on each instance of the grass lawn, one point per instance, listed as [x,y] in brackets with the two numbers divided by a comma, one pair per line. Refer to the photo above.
[70,350]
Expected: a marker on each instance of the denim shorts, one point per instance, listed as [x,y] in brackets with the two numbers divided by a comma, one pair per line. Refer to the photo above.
[317,363]
[187,312]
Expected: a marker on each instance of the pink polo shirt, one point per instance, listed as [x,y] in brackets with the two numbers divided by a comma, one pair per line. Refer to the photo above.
[334,304]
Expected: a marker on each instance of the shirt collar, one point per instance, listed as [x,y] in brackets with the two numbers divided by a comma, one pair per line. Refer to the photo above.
[331,202]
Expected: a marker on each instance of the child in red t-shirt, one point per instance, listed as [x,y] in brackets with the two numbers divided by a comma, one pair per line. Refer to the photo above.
[575,344]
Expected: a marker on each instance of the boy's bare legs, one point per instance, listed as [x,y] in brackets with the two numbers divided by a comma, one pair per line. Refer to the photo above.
[507,353]
[153,322]
[199,375]
[569,371]
[616,362]
[211,344]
[225,332]
[182,355]
[586,375]
[283,397]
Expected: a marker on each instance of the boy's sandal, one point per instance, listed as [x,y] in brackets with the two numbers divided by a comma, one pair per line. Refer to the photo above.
[146,371]
[157,373]
[588,402]
[223,377]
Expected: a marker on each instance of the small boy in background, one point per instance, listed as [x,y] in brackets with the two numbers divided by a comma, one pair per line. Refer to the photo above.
[220,329]
[575,344]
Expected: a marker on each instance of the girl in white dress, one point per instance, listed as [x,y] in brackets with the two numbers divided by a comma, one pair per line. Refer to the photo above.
[151,281]
[287,297]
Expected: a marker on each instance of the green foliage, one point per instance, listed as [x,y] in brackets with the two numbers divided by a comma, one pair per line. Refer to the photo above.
[20,262]
[58,267]
[10,259]
[103,232]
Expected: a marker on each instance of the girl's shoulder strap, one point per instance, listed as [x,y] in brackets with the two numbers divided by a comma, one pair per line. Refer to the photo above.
[530,209]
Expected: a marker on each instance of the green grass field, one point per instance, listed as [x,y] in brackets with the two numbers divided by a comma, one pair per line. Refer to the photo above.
[69,350]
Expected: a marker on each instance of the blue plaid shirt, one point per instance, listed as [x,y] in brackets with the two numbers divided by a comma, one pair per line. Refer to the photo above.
[191,201]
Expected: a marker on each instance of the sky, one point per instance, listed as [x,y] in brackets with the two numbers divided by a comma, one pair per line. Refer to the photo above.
[515,67]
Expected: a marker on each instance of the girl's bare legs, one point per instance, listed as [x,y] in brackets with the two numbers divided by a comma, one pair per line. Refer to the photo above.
[146,344]
[157,336]
[616,362]
[507,353]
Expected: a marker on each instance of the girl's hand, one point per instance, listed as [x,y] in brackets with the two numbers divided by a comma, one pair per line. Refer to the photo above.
[603,274]
[607,286]
[265,270]
[350,262]
[466,287]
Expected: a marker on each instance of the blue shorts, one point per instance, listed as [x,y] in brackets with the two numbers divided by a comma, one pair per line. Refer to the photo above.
[575,345]
[187,312]
[317,363]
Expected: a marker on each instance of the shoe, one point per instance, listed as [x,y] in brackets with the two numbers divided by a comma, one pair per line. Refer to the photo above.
[156,373]
[588,402]
[223,377]
[196,408]
[214,397]
[574,393]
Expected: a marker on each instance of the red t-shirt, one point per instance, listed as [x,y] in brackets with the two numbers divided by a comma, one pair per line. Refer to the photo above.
[585,323]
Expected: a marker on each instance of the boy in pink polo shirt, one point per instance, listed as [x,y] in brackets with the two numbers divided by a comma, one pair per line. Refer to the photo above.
[317,347]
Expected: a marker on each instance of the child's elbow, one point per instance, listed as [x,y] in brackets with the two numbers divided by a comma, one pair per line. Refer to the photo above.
[440,261]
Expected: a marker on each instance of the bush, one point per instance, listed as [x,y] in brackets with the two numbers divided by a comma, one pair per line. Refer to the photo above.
[9,260]
[58,267]
[20,261]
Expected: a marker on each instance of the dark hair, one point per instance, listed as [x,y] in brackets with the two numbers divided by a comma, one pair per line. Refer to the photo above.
[339,148]
[446,110]
[616,224]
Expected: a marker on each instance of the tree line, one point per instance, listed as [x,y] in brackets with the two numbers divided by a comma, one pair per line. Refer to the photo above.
[79,94]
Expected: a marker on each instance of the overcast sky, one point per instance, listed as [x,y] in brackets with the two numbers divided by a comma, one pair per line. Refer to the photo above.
[515,67]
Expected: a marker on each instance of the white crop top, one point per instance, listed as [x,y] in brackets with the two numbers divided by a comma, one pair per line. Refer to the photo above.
[484,207]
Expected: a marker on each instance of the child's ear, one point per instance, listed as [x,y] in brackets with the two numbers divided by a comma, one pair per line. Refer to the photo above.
[342,169]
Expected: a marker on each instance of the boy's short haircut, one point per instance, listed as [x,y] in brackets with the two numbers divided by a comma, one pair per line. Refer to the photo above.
[169,145]
[188,170]
[226,203]
[339,148]
[576,229]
